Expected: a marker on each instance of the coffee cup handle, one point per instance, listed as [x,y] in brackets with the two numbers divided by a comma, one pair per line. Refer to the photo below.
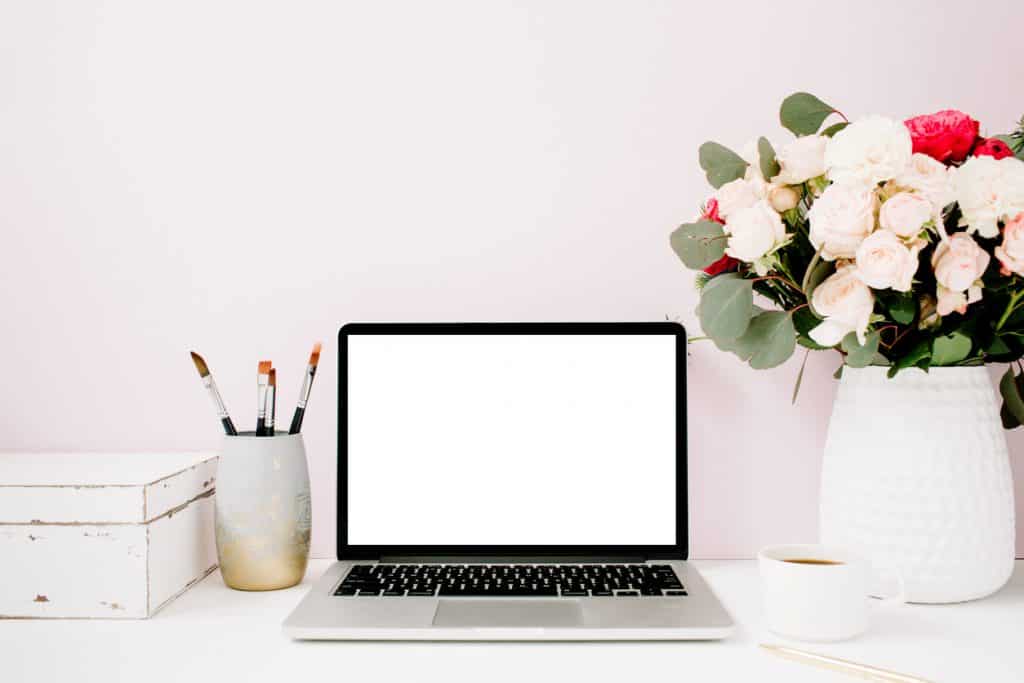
[897,598]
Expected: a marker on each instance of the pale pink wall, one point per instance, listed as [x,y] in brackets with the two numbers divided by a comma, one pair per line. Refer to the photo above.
[240,178]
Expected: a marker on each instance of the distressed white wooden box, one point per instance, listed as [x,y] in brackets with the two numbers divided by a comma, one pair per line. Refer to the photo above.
[99,535]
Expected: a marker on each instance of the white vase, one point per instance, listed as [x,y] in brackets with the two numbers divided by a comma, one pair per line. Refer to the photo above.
[262,511]
[916,477]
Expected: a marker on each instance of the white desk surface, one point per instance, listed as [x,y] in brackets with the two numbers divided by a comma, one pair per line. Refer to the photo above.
[215,634]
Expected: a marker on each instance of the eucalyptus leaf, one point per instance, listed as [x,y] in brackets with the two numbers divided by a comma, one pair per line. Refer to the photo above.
[726,304]
[766,157]
[799,378]
[772,337]
[860,355]
[902,308]
[721,164]
[803,113]
[834,128]
[699,244]
[1007,418]
[919,355]
[950,349]
[1011,393]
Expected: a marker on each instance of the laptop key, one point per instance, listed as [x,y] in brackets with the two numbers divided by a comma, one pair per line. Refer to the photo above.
[676,593]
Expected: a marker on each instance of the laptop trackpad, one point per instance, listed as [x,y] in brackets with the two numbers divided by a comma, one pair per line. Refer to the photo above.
[509,612]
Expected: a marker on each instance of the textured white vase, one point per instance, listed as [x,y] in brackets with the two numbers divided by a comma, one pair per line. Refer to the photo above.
[916,477]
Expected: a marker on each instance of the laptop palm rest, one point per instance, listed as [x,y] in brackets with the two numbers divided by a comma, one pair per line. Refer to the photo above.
[508,613]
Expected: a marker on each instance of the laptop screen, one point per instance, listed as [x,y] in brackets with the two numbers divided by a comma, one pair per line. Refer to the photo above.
[511,439]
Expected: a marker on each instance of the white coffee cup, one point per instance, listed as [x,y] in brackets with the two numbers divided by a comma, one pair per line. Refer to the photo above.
[816,592]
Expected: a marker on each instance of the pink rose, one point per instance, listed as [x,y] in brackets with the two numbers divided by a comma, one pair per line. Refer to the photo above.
[946,135]
[959,264]
[1011,252]
[992,147]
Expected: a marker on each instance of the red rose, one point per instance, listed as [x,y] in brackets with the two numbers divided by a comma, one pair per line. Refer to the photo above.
[722,265]
[946,135]
[726,263]
[992,147]
[711,212]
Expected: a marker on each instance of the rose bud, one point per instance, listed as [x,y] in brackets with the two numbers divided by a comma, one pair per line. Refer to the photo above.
[992,147]
[783,198]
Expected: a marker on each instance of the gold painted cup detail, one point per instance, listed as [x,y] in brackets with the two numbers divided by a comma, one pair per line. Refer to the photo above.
[263,515]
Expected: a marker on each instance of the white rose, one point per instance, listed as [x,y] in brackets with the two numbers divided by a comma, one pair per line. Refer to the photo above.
[905,214]
[845,303]
[754,231]
[926,176]
[1011,252]
[840,220]
[782,197]
[949,301]
[988,191]
[801,160]
[884,261]
[868,151]
[739,194]
[958,263]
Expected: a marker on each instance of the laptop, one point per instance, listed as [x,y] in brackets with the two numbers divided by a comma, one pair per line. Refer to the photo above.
[511,481]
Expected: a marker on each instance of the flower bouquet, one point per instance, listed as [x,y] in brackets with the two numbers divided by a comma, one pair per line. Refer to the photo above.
[901,245]
[898,243]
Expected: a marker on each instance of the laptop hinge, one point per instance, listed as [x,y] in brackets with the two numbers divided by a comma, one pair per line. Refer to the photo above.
[513,559]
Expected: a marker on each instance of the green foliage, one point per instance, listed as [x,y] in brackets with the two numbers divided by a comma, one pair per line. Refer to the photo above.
[860,355]
[950,349]
[902,307]
[772,338]
[766,156]
[1012,390]
[726,305]
[699,244]
[919,355]
[803,113]
[721,164]
[799,378]
[834,128]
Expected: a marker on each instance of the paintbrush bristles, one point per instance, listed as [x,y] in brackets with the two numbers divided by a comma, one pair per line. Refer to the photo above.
[314,357]
[264,367]
[273,377]
[200,364]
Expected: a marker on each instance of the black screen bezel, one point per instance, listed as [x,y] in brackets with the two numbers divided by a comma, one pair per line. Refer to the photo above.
[677,550]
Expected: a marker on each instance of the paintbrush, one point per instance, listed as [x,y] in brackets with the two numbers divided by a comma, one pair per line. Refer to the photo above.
[211,387]
[271,400]
[262,382]
[307,386]
[841,665]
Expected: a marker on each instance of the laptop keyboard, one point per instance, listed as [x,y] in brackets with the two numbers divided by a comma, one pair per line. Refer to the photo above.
[513,581]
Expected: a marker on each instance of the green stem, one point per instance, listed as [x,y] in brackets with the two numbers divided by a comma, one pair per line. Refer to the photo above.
[1014,298]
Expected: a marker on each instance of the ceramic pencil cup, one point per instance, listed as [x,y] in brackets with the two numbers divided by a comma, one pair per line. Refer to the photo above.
[263,515]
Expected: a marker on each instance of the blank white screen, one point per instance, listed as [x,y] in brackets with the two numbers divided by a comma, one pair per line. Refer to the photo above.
[511,439]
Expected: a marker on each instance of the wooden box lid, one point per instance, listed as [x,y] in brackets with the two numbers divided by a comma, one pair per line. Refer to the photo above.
[100,488]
